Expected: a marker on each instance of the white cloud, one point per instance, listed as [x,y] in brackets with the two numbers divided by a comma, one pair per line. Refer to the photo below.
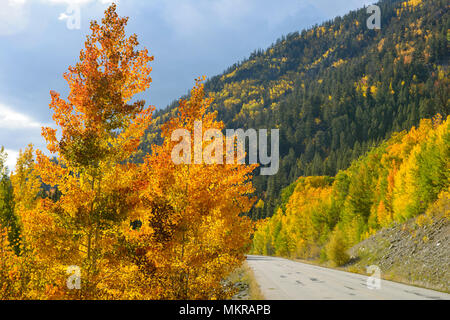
[16,2]
[13,16]
[11,159]
[68,2]
[17,130]
[10,119]
[77,2]
[63,16]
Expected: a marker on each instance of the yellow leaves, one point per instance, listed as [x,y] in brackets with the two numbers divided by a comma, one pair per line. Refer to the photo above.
[391,90]
[92,187]
[381,44]
[338,63]
[412,3]
[415,136]
[25,181]
[408,5]
[253,104]
[423,220]
[396,186]
[49,135]
[320,31]
[229,103]
[109,73]
[259,204]
[383,216]
[368,234]
[441,73]
[410,149]
[49,172]
[324,56]
[229,75]
[405,52]
[295,224]
[279,88]
[277,63]
[192,222]
[10,269]
[362,85]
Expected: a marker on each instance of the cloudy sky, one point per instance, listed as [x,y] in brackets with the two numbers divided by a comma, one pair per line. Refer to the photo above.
[189,38]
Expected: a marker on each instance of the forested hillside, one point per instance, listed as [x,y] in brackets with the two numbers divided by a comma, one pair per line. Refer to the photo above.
[402,178]
[335,90]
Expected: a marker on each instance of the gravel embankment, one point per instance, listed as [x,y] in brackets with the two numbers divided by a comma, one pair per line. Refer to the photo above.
[409,253]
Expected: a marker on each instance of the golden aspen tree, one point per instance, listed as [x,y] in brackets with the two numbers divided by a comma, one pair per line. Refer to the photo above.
[25,181]
[190,233]
[10,284]
[100,130]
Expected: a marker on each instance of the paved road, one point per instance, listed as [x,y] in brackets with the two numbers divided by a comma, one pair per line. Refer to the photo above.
[282,279]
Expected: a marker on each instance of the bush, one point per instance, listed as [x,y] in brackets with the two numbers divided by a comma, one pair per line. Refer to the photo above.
[424,220]
[336,249]
[323,255]
[441,207]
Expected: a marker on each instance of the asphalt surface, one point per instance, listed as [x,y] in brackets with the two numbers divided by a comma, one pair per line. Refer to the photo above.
[283,279]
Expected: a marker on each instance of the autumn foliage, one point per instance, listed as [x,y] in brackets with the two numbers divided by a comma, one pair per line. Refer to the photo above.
[150,230]
[405,176]
[191,233]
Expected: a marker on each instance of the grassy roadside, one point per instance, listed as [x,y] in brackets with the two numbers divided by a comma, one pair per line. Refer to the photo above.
[244,280]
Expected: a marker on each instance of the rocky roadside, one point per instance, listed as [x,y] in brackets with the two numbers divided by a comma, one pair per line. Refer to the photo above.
[245,284]
[409,253]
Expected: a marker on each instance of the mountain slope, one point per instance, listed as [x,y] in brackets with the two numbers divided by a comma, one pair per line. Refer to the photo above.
[405,177]
[336,89]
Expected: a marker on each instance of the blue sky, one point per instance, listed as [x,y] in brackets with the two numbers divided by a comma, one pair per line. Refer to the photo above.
[188,38]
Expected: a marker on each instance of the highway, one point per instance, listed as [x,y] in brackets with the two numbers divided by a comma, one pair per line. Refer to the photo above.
[283,279]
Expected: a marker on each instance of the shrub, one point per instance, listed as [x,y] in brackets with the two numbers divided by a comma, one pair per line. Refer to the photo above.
[336,249]
[423,220]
